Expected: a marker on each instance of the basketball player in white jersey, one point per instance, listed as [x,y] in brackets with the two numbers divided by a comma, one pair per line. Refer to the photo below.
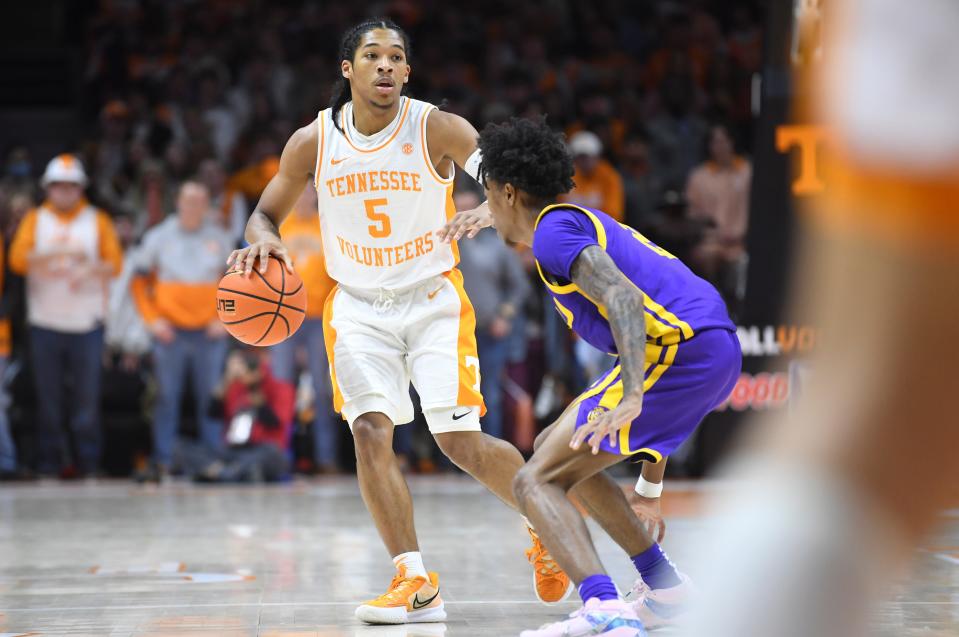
[822,521]
[383,167]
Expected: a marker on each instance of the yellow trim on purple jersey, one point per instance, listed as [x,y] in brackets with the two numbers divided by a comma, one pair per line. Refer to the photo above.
[661,325]
[611,389]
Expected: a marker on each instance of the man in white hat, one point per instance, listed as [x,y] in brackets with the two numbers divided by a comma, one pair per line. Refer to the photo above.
[68,251]
[598,184]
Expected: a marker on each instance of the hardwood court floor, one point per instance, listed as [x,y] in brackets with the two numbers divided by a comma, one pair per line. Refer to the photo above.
[110,559]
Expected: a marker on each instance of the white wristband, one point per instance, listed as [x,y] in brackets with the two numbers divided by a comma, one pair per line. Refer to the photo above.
[474,166]
[648,489]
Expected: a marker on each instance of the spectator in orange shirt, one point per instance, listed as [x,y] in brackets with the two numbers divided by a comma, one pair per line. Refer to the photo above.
[178,267]
[598,185]
[301,235]
[68,251]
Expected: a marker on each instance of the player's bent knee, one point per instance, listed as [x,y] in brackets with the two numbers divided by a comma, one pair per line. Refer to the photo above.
[462,447]
[368,435]
[528,479]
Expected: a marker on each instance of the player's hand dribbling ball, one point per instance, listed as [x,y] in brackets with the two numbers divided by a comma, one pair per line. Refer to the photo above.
[261,308]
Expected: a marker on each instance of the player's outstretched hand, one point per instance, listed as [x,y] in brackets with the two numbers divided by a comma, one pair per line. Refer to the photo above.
[468,222]
[244,258]
[607,424]
[649,512]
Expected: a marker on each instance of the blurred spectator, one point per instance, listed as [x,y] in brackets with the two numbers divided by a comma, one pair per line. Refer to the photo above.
[677,135]
[178,267]
[256,412]
[223,124]
[127,335]
[68,251]
[598,185]
[497,286]
[19,204]
[264,162]
[674,230]
[8,452]
[640,185]
[110,155]
[18,172]
[301,235]
[150,195]
[718,194]
[229,206]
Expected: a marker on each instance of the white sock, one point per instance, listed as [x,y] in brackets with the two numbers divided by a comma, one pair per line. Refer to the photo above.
[413,563]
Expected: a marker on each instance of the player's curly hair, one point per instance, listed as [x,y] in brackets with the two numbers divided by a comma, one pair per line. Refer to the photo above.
[529,155]
[340,94]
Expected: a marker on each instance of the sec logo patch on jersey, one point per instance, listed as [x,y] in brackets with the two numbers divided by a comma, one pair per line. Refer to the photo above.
[407,149]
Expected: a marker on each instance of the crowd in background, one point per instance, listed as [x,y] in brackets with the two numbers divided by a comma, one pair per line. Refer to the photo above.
[185,107]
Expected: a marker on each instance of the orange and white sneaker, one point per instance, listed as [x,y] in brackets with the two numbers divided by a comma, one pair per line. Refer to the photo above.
[551,584]
[409,600]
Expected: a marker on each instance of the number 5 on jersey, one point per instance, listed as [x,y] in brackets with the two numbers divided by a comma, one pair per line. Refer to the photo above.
[381,220]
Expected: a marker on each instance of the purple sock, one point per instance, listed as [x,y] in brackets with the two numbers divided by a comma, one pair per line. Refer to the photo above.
[655,568]
[599,586]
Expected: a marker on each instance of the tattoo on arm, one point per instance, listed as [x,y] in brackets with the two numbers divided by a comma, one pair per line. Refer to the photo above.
[599,278]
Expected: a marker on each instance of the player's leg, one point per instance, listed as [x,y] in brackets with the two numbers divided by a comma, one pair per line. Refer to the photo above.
[604,501]
[382,484]
[492,461]
[821,491]
[541,489]
[444,367]
[371,390]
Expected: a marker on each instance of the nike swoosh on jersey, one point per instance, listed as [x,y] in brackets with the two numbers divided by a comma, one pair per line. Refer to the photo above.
[334,162]
[417,604]
[430,295]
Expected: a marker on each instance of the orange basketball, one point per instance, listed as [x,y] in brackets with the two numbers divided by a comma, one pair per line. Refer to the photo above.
[262,308]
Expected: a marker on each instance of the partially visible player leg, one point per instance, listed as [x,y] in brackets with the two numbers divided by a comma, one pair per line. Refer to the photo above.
[492,461]
[414,593]
[382,484]
[541,489]
[371,390]
[605,502]
[444,367]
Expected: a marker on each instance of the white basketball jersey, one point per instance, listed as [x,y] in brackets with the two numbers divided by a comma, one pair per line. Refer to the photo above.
[381,201]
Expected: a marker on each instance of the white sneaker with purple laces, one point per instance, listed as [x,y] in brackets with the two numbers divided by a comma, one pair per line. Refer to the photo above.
[612,618]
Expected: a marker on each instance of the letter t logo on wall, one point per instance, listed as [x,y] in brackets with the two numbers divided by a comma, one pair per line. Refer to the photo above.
[807,139]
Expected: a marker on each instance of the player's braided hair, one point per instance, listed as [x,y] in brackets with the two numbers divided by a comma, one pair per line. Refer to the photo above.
[529,155]
[351,39]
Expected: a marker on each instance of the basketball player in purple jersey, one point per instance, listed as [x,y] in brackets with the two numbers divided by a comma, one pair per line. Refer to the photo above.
[678,358]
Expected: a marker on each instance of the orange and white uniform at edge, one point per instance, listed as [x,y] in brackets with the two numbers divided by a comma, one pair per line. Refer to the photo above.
[891,165]
[399,312]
